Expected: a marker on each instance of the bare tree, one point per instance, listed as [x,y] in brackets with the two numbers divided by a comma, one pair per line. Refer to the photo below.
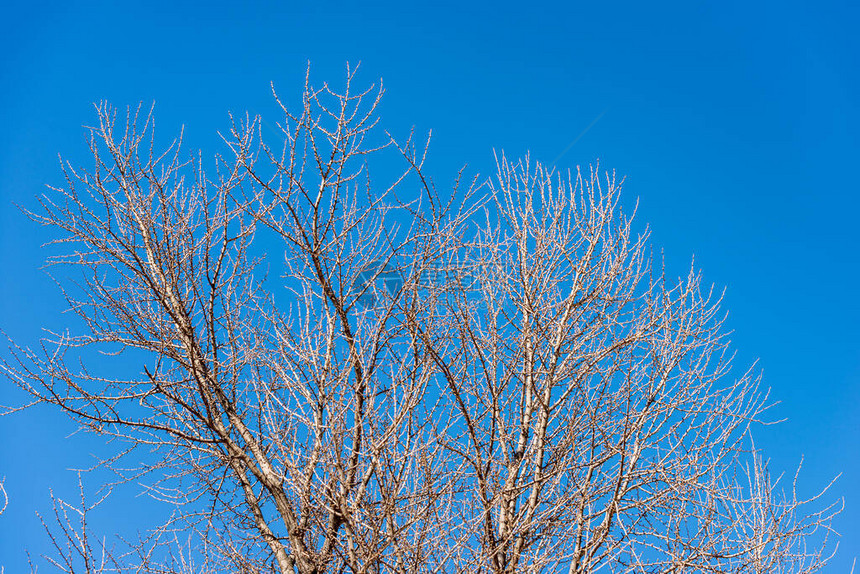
[496,379]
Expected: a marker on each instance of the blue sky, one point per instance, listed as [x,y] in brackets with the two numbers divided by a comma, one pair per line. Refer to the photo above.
[736,125]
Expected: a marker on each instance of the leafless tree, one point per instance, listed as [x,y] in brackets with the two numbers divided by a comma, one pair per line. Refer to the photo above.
[495,379]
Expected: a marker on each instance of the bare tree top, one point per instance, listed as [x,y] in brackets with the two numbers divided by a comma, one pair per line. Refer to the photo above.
[496,378]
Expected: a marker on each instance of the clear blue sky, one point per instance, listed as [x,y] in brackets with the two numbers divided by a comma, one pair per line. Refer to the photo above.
[736,124]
